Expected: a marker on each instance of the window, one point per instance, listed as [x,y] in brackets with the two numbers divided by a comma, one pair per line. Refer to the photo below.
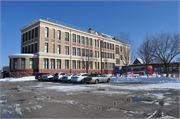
[46,32]
[15,63]
[33,33]
[107,55]
[35,47]
[78,51]
[110,55]
[82,39]
[113,46]
[110,46]
[95,54]
[22,50]
[26,36]
[107,45]
[66,64]
[66,36]
[94,42]
[31,63]
[90,64]
[23,37]
[46,62]
[74,38]
[29,50]
[90,53]
[36,32]
[104,55]
[78,39]
[121,48]
[90,41]
[46,48]
[102,65]
[83,52]
[104,44]
[10,64]
[101,43]
[67,50]
[97,43]
[22,63]
[178,68]
[59,49]
[98,65]
[58,64]
[29,35]
[59,35]
[26,49]
[87,52]
[105,65]
[52,63]
[73,51]
[83,65]
[74,64]
[121,57]
[113,55]
[174,68]
[32,48]
[162,69]
[117,61]
[78,64]
[95,65]
[170,68]
[117,49]
[86,40]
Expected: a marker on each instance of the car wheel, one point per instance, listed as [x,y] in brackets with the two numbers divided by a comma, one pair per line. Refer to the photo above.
[108,80]
[96,81]
[87,82]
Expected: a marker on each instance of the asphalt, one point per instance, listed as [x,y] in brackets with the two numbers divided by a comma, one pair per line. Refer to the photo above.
[23,100]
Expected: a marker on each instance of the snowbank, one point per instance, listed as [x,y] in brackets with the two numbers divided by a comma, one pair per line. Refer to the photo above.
[146,79]
[29,78]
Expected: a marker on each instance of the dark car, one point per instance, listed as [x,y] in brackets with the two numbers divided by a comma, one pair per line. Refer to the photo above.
[40,75]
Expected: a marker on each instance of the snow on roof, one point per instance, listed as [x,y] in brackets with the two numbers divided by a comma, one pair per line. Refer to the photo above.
[141,61]
[22,55]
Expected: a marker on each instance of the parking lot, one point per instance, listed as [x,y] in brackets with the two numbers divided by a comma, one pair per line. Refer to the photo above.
[33,99]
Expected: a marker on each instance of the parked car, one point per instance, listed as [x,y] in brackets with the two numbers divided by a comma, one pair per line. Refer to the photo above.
[58,76]
[96,78]
[67,78]
[48,77]
[79,77]
[39,76]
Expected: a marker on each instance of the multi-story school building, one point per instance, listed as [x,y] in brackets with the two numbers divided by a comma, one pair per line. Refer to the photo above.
[53,46]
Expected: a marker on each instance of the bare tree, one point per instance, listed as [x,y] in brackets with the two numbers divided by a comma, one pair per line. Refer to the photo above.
[87,60]
[165,47]
[127,53]
[144,52]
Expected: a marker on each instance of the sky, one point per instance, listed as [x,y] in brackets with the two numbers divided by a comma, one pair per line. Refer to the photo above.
[110,17]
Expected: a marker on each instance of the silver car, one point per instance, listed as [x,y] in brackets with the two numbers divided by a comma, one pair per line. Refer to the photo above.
[67,78]
[79,78]
[47,77]
[58,76]
[96,78]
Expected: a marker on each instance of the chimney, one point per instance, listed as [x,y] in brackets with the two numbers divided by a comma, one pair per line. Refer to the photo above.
[90,31]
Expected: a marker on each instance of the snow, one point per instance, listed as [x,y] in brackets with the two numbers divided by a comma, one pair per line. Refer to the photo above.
[28,78]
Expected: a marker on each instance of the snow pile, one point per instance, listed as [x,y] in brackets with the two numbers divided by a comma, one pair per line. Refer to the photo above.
[146,79]
[28,78]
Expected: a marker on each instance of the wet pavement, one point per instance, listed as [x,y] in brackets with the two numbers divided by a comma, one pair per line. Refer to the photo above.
[39,100]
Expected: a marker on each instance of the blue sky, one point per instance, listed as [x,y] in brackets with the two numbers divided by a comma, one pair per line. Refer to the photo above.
[135,17]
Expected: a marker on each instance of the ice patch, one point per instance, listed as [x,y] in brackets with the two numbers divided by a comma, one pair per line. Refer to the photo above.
[38,106]
[17,109]
[71,101]
[28,109]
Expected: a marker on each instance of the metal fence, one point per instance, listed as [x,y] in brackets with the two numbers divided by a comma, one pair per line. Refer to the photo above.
[66,24]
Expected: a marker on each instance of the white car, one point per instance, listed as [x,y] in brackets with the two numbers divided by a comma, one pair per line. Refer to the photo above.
[58,76]
[67,78]
[79,77]
[47,77]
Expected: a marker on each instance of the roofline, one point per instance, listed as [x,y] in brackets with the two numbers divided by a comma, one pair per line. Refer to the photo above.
[42,20]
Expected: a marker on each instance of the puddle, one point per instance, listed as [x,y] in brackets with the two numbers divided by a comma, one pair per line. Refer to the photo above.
[13,115]
[135,99]
[101,89]
[157,92]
